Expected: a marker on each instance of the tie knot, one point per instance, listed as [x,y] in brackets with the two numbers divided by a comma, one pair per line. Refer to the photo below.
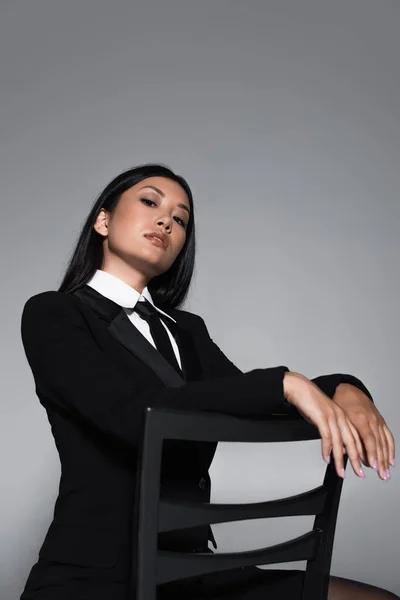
[146,310]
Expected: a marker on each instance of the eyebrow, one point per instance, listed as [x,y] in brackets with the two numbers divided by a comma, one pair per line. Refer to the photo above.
[156,189]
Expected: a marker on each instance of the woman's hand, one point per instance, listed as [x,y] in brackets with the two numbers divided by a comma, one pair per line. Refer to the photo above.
[374,440]
[334,427]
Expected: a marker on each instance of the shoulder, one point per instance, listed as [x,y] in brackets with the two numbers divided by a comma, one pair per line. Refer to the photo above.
[49,298]
[48,303]
[188,319]
[50,318]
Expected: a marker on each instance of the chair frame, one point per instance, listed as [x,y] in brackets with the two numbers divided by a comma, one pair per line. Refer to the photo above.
[153,515]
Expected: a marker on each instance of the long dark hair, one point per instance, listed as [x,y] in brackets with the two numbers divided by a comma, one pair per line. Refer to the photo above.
[168,289]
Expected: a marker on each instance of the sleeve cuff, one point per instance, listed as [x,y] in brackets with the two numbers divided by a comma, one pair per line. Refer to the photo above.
[329,383]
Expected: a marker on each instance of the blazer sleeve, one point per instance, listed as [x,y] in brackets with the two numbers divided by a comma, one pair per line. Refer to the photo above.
[72,373]
[329,383]
[222,366]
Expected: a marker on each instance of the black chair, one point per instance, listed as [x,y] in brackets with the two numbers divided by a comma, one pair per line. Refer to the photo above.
[154,514]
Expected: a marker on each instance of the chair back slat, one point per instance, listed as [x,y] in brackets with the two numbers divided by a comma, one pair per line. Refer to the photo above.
[178,515]
[215,427]
[171,565]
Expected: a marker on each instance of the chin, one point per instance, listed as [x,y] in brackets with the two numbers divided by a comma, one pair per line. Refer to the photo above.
[153,268]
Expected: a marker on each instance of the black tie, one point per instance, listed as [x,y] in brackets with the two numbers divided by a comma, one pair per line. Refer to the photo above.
[161,338]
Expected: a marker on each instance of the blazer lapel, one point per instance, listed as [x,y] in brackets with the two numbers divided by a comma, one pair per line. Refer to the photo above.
[130,337]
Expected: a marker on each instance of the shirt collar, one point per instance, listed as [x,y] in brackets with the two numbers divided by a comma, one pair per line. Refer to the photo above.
[121,293]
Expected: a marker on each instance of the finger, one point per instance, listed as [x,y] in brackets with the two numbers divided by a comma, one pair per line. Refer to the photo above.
[364,456]
[379,450]
[391,443]
[359,444]
[351,446]
[382,438]
[360,450]
[369,442]
[326,441]
[337,444]
[384,445]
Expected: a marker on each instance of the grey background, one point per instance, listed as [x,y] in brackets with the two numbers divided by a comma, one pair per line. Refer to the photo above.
[285,118]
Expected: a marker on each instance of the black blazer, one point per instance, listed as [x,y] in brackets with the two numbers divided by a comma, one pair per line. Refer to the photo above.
[94,374]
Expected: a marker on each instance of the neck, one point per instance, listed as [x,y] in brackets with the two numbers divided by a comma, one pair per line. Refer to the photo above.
[133,278]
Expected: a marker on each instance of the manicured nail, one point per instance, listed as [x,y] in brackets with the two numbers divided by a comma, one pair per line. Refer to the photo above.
[392,462]
[343,473]
[388,474]
[328,459]
[362,474]
[374,464]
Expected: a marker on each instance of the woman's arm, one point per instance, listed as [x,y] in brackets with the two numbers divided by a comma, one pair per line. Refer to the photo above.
[72,373]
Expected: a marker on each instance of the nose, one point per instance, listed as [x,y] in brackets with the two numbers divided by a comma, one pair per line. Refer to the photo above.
[165,221]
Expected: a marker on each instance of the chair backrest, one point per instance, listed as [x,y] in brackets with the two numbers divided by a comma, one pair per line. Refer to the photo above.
[154,514]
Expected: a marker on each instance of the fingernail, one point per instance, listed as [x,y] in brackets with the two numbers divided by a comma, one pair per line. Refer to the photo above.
[328,459]
[392,462]
[362,474]
[388,474]
[374,464]
[343,473]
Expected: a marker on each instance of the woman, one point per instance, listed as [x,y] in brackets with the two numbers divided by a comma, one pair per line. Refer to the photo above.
[112,340]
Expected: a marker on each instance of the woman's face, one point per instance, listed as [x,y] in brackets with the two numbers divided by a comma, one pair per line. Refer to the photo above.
[154,205]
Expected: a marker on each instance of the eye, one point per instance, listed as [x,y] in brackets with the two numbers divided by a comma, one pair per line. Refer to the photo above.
[145,200]
[182,222]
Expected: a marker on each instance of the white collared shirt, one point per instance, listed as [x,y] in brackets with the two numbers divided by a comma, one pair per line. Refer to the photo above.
[121,293]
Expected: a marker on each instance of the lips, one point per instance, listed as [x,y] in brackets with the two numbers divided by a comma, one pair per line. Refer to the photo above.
[158,239]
